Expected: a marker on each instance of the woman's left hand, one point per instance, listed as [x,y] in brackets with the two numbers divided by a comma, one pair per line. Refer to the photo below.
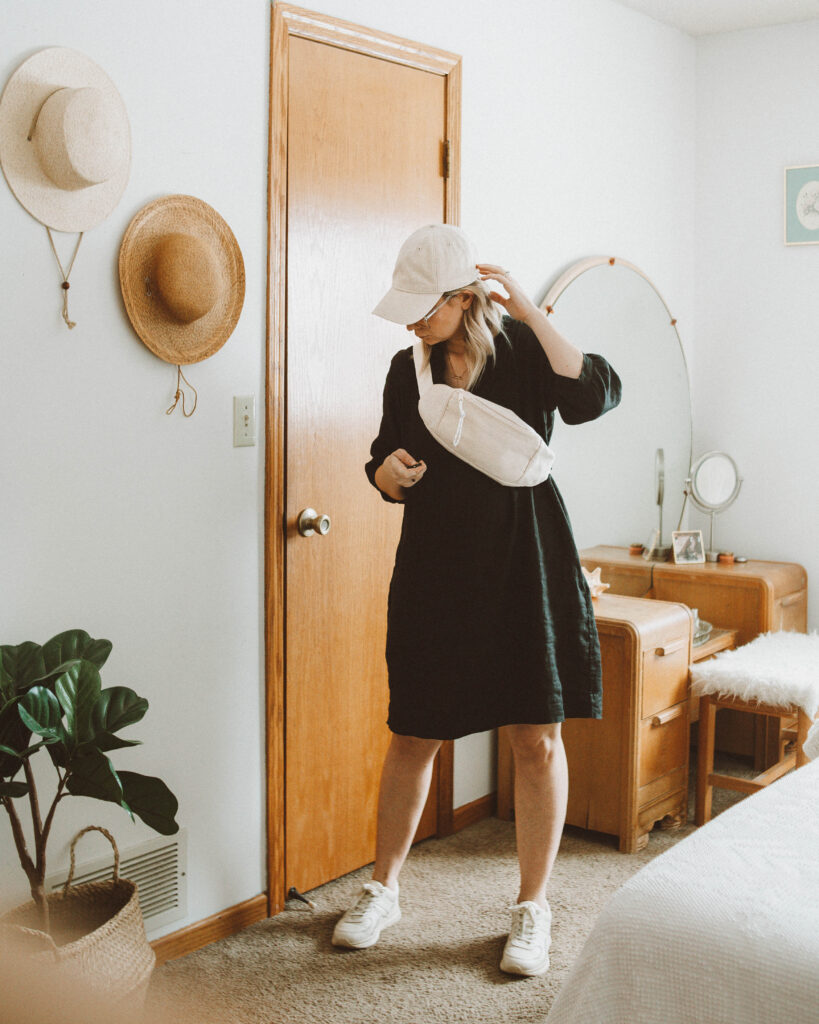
[518,304]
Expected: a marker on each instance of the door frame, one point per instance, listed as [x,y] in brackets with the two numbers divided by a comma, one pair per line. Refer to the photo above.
[288,20]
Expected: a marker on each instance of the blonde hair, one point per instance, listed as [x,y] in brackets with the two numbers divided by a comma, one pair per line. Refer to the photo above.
[482,321]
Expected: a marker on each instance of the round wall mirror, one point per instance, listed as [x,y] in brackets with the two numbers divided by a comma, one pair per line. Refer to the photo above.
[607,469]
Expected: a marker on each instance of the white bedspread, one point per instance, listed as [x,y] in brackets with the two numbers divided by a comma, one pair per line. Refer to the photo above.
[721,929]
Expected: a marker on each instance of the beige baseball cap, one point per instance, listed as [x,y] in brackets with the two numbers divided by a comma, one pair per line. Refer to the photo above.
[434,259]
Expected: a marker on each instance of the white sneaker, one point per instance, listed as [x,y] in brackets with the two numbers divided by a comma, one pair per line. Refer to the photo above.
[375,908]
[527,948]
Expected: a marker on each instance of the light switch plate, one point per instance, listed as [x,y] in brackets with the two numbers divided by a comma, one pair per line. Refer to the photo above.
[244,420]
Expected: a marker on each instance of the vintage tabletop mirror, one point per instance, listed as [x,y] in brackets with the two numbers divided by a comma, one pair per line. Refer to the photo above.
[715,484]
[623,476]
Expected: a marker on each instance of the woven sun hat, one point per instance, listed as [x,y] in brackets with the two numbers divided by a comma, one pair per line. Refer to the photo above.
[182,278]
[65,140]
[436,258]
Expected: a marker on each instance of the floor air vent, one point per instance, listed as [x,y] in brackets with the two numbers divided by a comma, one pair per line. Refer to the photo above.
[159,868]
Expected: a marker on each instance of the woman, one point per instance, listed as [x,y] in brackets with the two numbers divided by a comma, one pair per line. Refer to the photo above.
[490,621]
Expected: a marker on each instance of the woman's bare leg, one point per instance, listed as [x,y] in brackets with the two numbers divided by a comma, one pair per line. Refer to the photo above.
[541,795]
[405,781]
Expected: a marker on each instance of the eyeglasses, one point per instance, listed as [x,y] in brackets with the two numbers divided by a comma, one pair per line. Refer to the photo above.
[442,302]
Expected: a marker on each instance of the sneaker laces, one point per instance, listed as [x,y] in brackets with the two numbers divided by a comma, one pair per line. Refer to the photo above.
[369,894]
[524,925]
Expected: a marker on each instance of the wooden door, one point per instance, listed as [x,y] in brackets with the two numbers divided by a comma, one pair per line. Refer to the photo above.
[364,169]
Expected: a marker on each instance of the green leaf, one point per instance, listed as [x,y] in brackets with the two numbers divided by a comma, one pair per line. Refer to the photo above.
[67,649]
[73,645]
[107,741]
[20,754]
[20,665]
[78,690]
[7,688]
[59,754]
[30,750]
[151,800]
[92,774]
[48,678]
[13,789]
[41,712]
[14,735]
[117,707]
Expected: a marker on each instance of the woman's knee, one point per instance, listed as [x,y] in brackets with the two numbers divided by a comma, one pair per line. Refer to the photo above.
[414,748]
[534,743]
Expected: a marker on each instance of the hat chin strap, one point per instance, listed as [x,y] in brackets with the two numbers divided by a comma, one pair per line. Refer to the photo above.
[65,273]
[180,394]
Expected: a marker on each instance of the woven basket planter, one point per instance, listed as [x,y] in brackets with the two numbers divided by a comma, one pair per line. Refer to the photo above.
[97,941]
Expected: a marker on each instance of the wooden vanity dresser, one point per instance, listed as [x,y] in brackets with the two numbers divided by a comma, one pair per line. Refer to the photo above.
[629,770]
[750,597]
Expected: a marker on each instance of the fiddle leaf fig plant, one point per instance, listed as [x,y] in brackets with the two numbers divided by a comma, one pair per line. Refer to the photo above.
[52,698]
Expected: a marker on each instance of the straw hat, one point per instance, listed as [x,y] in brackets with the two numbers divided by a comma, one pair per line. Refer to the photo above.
[182,278]
[65,141]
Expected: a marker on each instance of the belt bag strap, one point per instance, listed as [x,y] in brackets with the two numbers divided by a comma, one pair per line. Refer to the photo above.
[487,436]
[423,371]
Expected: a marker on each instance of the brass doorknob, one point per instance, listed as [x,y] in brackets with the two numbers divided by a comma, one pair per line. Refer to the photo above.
[311,522]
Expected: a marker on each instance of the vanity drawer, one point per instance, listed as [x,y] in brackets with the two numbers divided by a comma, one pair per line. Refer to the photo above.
[674,782]
[665,675]
[663,743]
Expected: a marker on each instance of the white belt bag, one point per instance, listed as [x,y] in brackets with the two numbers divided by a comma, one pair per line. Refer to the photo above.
[485,435]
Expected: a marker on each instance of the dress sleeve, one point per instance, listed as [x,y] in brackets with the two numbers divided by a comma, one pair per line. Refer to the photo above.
[594,392]
[578,400]
[389,433]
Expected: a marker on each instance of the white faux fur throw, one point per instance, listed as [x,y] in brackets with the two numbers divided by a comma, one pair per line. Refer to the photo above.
[775,668]
[810,748]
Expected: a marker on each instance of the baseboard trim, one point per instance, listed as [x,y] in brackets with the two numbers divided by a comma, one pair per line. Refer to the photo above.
[477,810]
[218,926]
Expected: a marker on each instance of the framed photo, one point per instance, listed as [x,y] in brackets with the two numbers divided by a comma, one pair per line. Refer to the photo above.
[802,205]
[687,546]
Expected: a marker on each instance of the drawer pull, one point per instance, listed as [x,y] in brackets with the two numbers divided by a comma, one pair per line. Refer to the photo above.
[791,599]
[667,716]
[675,645]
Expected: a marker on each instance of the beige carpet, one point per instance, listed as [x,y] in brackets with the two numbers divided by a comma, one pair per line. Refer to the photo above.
[439,964]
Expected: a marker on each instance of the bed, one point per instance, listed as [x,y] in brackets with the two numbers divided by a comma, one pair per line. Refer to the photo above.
[721,929]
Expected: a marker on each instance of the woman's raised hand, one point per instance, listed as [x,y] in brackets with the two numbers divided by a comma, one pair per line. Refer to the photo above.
[402,469]
[517,304]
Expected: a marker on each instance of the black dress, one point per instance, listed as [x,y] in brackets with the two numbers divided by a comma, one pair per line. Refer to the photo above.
[490,620]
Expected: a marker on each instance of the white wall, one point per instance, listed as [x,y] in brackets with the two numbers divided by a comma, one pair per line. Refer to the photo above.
[578,121]
[757,365]
[137,526]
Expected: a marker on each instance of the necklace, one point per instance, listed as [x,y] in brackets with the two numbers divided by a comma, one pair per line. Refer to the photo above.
[457,376]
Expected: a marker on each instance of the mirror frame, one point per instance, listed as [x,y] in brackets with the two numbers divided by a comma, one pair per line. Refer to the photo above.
[696,496]
[579,268]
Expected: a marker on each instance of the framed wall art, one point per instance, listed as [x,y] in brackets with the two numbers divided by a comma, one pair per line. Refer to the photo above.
[802,205]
